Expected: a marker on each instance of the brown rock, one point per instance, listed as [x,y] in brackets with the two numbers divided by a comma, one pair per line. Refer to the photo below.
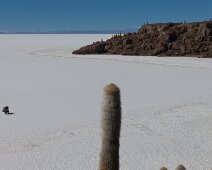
[163,39]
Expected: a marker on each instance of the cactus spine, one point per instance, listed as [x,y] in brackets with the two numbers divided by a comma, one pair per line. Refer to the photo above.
[110,126]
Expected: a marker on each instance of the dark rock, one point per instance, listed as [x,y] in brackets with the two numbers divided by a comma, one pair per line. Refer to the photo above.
[96,48]
[163,39]
[128,41]
[208,32]
[209,25]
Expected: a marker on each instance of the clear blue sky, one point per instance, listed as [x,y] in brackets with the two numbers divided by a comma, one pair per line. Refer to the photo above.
[45,15]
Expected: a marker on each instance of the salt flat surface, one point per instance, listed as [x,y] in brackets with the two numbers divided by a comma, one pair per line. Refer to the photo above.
[56,98]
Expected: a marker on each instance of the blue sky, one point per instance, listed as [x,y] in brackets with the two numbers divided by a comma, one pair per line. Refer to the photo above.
[45,15]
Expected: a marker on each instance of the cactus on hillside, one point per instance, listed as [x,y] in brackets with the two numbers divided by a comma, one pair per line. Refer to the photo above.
[110,125]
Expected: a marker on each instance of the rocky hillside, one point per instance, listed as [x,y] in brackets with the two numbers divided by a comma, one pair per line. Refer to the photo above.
[164,39]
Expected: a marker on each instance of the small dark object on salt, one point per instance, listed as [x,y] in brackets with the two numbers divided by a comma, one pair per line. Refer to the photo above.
[5,110]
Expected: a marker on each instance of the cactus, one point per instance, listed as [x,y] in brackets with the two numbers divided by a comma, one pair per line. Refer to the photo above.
[110,125]
[180,167]
[163,168]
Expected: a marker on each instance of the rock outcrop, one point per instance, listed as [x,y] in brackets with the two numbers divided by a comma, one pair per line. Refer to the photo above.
[163,39]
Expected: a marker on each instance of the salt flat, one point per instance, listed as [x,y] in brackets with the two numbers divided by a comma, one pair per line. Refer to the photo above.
[56,99]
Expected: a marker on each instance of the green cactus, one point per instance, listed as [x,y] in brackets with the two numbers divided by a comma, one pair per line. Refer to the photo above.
[180,167]
[110,125]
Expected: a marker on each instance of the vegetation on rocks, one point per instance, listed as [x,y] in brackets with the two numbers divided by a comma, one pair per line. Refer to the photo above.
[163,39]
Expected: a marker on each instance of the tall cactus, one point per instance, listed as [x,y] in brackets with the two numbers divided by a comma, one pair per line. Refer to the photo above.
[180,167]
[110,125]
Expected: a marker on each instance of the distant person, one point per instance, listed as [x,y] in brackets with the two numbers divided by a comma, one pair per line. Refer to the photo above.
[5,110]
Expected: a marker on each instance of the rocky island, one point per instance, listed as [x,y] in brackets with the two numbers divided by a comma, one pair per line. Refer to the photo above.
[162,39]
